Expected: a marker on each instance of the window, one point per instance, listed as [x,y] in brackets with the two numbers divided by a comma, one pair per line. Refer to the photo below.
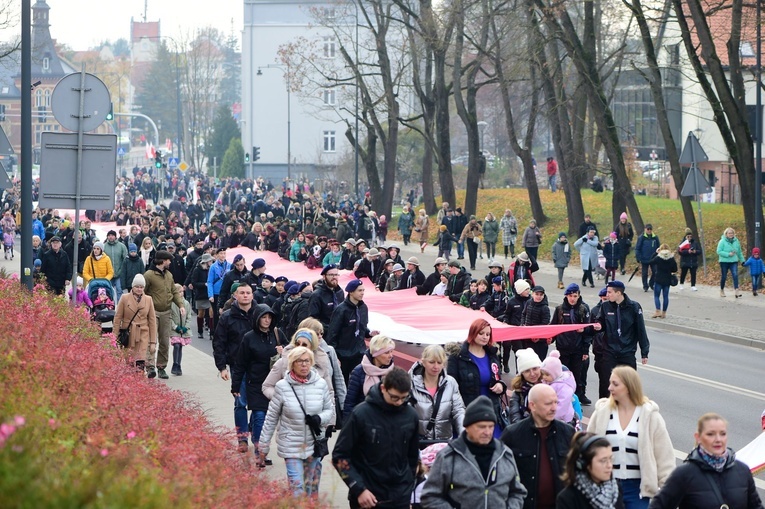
[329,141]
[329,47]
[46,64]
[329,12]
[39,98]
[47,98]
[329,97]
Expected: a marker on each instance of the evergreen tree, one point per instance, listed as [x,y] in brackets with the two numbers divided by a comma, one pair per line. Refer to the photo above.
[224,130]
[233,161]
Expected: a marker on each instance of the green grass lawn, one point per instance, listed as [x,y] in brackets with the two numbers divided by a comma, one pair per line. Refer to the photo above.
[665,215]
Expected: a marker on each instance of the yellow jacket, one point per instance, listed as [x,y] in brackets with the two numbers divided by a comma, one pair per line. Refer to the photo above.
[93,269]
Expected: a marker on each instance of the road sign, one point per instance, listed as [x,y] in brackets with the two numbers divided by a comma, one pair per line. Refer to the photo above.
[172,162]
[695,184]
[692,151]
[183,166]
[121,152]
[65,102]
[5,146]
[58,170]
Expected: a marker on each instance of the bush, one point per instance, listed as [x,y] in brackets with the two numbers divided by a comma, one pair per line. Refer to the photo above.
[80,428]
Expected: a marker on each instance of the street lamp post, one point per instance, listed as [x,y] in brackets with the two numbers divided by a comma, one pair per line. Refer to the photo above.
[758,140]
[481,127]
[286,71]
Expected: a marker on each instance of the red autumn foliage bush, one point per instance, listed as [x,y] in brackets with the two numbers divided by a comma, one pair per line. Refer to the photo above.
[81,428]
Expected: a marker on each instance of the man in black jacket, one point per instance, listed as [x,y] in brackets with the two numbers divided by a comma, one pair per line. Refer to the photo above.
[348,328]
[574,346]
[326,296]
[235,275]
[540,444]
[177,266]
[232,326]
[434,278]
[377,451]
[459,281]
[56,266]
[413,275]
[252,366]
[622,321]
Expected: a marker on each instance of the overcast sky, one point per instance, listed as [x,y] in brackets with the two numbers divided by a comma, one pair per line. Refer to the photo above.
[84,23]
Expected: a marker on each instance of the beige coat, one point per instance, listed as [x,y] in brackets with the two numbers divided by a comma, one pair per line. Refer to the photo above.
[321,365]
[143,331]
[655,452]
[422,224]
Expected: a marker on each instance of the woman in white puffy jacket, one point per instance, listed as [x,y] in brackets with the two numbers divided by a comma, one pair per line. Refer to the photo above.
[301,400]
[429,380]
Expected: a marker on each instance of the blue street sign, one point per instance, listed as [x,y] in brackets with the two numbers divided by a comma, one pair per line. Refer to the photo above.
[121,152]
[172,162]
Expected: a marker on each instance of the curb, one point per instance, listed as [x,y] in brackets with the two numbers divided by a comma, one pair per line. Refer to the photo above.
[717,336]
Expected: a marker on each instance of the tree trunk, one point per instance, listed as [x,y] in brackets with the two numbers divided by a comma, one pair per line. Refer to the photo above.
[655,82]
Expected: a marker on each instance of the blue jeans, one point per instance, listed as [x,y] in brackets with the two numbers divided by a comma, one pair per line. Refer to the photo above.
[552,180]
[304,475]
[663,291]
[257,418]
[117,284]
[756,278]
[631,494]
[733,268]
[460,249]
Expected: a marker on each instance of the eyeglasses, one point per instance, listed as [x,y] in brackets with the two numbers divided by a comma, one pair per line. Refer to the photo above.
[304,344]
[396,398]
[303,362]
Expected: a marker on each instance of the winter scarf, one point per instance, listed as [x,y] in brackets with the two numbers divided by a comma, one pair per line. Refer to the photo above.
[716,462]
[374,373]
[600,496]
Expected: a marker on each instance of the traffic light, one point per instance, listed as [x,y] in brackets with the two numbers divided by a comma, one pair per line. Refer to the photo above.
[246,157]
[158,160]
[110,115]
[255,153]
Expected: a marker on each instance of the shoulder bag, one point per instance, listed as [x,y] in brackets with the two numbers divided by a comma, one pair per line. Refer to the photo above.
[320,444]
[123,338]
[673,280]
[432,422]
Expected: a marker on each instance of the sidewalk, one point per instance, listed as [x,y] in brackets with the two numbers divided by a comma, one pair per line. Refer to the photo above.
[702,313]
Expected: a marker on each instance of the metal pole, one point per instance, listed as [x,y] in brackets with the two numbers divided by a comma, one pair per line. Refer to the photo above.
[78,183]
[356,138]
[691,174]
[289,128]
[758,130]
[26,144]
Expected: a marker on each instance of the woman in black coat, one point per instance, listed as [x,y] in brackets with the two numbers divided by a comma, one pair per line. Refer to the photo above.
[588,476]
[477,368]
[689,250]
[711,477]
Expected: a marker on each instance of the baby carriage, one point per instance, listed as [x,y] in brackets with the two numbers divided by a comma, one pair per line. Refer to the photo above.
[102,295]
[8,241]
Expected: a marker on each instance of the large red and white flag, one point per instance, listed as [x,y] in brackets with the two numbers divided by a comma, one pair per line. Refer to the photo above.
[150,151]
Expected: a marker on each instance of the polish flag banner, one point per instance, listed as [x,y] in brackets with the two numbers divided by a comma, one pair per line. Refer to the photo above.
[150,151]
[753,454]
[405,316]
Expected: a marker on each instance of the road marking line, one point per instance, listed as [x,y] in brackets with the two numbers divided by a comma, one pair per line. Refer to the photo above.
[709,383]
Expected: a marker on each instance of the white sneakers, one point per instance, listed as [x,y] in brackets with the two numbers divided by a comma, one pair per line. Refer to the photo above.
[694,289]
[679,287]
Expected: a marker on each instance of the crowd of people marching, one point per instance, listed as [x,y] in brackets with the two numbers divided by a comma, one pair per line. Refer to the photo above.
[452,431]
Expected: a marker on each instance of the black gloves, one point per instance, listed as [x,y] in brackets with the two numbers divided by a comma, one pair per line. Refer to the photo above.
[314,422]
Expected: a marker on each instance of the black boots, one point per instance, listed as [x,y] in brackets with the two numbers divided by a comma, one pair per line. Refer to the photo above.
[177,354]
[200,327]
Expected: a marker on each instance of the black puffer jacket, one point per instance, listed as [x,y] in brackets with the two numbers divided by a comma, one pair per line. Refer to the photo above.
[514,310]
[688,486]
[479,300]
[665,266]
[573,341]
[689,258]
[232,326]
[462,368]
[457,285]
[524,440]
[348,328]
[323,303]
[254,359]
[198,280]
[378,450]
[536,313]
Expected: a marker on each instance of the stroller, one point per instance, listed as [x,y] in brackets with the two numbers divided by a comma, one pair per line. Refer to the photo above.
[102,295]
